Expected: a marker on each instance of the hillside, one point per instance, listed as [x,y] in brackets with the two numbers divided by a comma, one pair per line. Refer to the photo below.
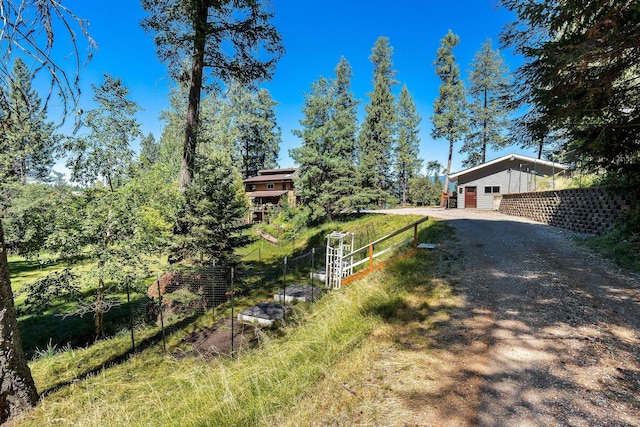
[313,354]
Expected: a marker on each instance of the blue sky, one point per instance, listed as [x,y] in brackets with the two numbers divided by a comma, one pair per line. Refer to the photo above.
[315,35]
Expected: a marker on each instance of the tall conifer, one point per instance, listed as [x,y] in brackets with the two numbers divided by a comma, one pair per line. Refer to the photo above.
[490,92]
[326,181]
[449,118]
[377,135]
[407,163]
[28,146]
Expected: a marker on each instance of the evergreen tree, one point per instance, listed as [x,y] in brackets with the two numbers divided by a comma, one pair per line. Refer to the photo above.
[28,146]
[377,135]
[580,77]
[489,89]
[342,170]
[449,118]
[232,38]
[210,226]
[105,152]
[435,170]
[407,163]
[312,155]
[254,127]
[326,182]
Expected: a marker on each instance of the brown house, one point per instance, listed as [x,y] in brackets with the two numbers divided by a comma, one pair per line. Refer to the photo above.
[267,191]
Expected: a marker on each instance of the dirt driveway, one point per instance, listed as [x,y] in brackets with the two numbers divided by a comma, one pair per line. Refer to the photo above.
[547,335]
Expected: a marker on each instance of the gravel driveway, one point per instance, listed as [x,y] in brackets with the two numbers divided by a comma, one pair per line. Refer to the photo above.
[548,333]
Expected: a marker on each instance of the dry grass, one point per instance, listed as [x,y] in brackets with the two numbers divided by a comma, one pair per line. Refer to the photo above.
[354,349]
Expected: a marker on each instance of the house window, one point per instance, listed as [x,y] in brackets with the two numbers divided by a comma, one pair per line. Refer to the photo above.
[269,186]
[460,190]
[495,189]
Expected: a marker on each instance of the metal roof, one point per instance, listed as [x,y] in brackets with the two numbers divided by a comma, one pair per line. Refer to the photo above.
[509,157]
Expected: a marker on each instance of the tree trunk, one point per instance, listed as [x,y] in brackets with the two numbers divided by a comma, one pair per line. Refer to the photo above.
[98,316]
[17,389]
[195,87]
[445,189]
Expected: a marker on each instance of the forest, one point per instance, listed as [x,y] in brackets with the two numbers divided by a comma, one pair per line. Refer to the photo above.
[181,196]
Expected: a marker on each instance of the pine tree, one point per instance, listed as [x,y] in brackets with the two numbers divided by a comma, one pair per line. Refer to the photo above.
[255,130]
[342,170]
[311,156]
[580,78]
[490,91]
[377,135]
[449,118]
[326,181]
[210,226]
[29,144]
[407,163]
[234,40]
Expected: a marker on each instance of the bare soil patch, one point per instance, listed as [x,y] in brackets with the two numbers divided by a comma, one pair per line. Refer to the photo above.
[217,340]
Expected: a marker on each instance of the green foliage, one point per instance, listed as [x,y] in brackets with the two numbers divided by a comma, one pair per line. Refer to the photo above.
[28,144]
[580,78]
[149,151]
[42,292]
[622,244]
[424,191]
[326,180]
[234,40]
[210,225]
[450,119]
[105,151]
[251,120]
[31,217]
[378,133]
[231,32]
[490,92]
[407,164]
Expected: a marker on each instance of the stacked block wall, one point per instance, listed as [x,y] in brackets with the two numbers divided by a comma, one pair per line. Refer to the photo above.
[584,210]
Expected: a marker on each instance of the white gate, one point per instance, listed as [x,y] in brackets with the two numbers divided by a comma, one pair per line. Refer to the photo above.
[339,264]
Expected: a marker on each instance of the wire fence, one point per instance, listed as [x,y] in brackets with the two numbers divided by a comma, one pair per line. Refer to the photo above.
[151,313]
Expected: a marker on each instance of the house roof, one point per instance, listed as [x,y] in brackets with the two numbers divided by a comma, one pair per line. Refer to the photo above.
[277,171]
[267,193]
[508,157]
[268,178]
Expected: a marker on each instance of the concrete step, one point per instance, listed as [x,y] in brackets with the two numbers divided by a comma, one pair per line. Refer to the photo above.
[298,293]
[263,314]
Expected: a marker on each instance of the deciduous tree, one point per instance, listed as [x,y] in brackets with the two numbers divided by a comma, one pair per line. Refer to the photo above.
[105,152]
[28,28]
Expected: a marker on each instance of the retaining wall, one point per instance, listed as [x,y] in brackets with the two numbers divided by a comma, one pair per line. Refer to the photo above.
[584,210]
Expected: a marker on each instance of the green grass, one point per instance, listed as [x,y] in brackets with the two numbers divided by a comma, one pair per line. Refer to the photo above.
[96,386]
[621,247]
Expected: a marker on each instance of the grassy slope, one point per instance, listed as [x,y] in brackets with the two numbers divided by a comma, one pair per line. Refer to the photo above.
[280,378]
